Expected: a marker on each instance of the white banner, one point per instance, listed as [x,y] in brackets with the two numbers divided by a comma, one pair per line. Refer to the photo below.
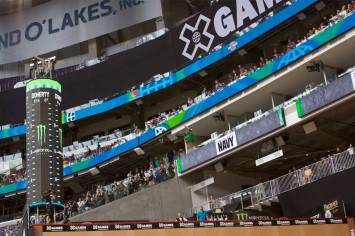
[269,158]
[61,23]
[226,143]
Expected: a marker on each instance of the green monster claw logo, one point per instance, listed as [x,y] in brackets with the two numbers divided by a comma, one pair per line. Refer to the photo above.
[242,216]
[61,137]
[41,134]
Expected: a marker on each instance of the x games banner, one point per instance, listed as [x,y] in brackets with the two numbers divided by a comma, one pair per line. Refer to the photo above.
[170,225]
[213,26]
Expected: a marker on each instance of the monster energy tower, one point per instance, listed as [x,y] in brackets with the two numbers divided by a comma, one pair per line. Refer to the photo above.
[44,148]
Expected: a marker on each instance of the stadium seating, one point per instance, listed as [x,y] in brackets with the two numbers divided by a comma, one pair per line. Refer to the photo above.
[88,150]
[138,141]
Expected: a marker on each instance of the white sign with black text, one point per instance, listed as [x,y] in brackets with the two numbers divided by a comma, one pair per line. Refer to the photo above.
[226,143]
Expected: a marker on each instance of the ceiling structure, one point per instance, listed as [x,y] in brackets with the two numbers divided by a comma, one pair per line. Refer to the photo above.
[12,6]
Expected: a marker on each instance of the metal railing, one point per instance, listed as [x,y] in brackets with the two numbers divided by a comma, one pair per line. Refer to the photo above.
[268,190]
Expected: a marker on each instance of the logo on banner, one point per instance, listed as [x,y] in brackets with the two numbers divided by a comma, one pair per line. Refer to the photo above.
[242,216]
[54,228]
[159,130]
[61,137]
[71,117]
[226,143]
[211,29]
[41,134]
[196,37]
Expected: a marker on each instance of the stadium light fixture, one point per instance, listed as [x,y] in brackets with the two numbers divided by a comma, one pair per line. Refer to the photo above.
[94,171]
[310,127]
[319,6]
[203,73]
[242,52]
[139,151]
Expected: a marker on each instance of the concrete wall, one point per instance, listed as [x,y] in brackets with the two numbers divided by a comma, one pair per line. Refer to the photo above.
[224,183]
[160,202]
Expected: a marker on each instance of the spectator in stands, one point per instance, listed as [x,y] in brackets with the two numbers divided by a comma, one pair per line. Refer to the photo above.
[204,92]
[211,202]
[337,150]
[218,86]
[242,71]
[290,45]
[48,219]
[275,53]
[180,217]
[328,214]
[201,215]
[262,61]
[189,136]
[190,101]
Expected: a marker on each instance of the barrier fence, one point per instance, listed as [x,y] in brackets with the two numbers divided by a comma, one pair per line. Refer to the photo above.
[308,174]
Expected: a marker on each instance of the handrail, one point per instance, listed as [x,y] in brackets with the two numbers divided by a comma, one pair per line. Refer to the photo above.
[268,190]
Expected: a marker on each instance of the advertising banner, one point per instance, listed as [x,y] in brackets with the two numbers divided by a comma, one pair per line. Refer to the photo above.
[58,24]
[186,224]
[215,25]
[226,143]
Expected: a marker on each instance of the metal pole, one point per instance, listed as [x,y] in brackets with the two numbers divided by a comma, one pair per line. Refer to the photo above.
[54,219]
[272,100]
[325,77]
[344,209]
[332,165]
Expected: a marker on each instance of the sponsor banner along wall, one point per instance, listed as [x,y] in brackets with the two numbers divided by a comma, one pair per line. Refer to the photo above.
[61,23]
[237,87]
[182,225]
[110,74]
[226,143]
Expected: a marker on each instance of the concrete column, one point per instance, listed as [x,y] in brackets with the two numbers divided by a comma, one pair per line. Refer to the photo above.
[94,48]
[189,146]
[159,23]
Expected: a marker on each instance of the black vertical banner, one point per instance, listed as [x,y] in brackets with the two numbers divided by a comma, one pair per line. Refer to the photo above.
[43,141]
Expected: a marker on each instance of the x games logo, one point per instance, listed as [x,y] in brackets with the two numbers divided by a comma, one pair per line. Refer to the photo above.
[212,28]
[196,37]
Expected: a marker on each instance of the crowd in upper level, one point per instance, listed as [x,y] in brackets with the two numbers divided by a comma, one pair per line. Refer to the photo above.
[94,147]
[13,177]
[156,171]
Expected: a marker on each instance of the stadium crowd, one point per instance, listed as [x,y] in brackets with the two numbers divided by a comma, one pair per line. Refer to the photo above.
[238,73]
[156,171]
[14,176]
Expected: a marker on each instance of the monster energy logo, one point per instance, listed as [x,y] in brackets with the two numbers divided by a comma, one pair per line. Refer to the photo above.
[41,134]
[61,137]
[242,216]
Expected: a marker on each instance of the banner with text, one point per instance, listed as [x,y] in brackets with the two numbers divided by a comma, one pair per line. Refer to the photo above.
[58,24]
[226,143]
[214,26]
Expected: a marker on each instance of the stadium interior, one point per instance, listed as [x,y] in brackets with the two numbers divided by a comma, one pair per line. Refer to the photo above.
[258,127]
